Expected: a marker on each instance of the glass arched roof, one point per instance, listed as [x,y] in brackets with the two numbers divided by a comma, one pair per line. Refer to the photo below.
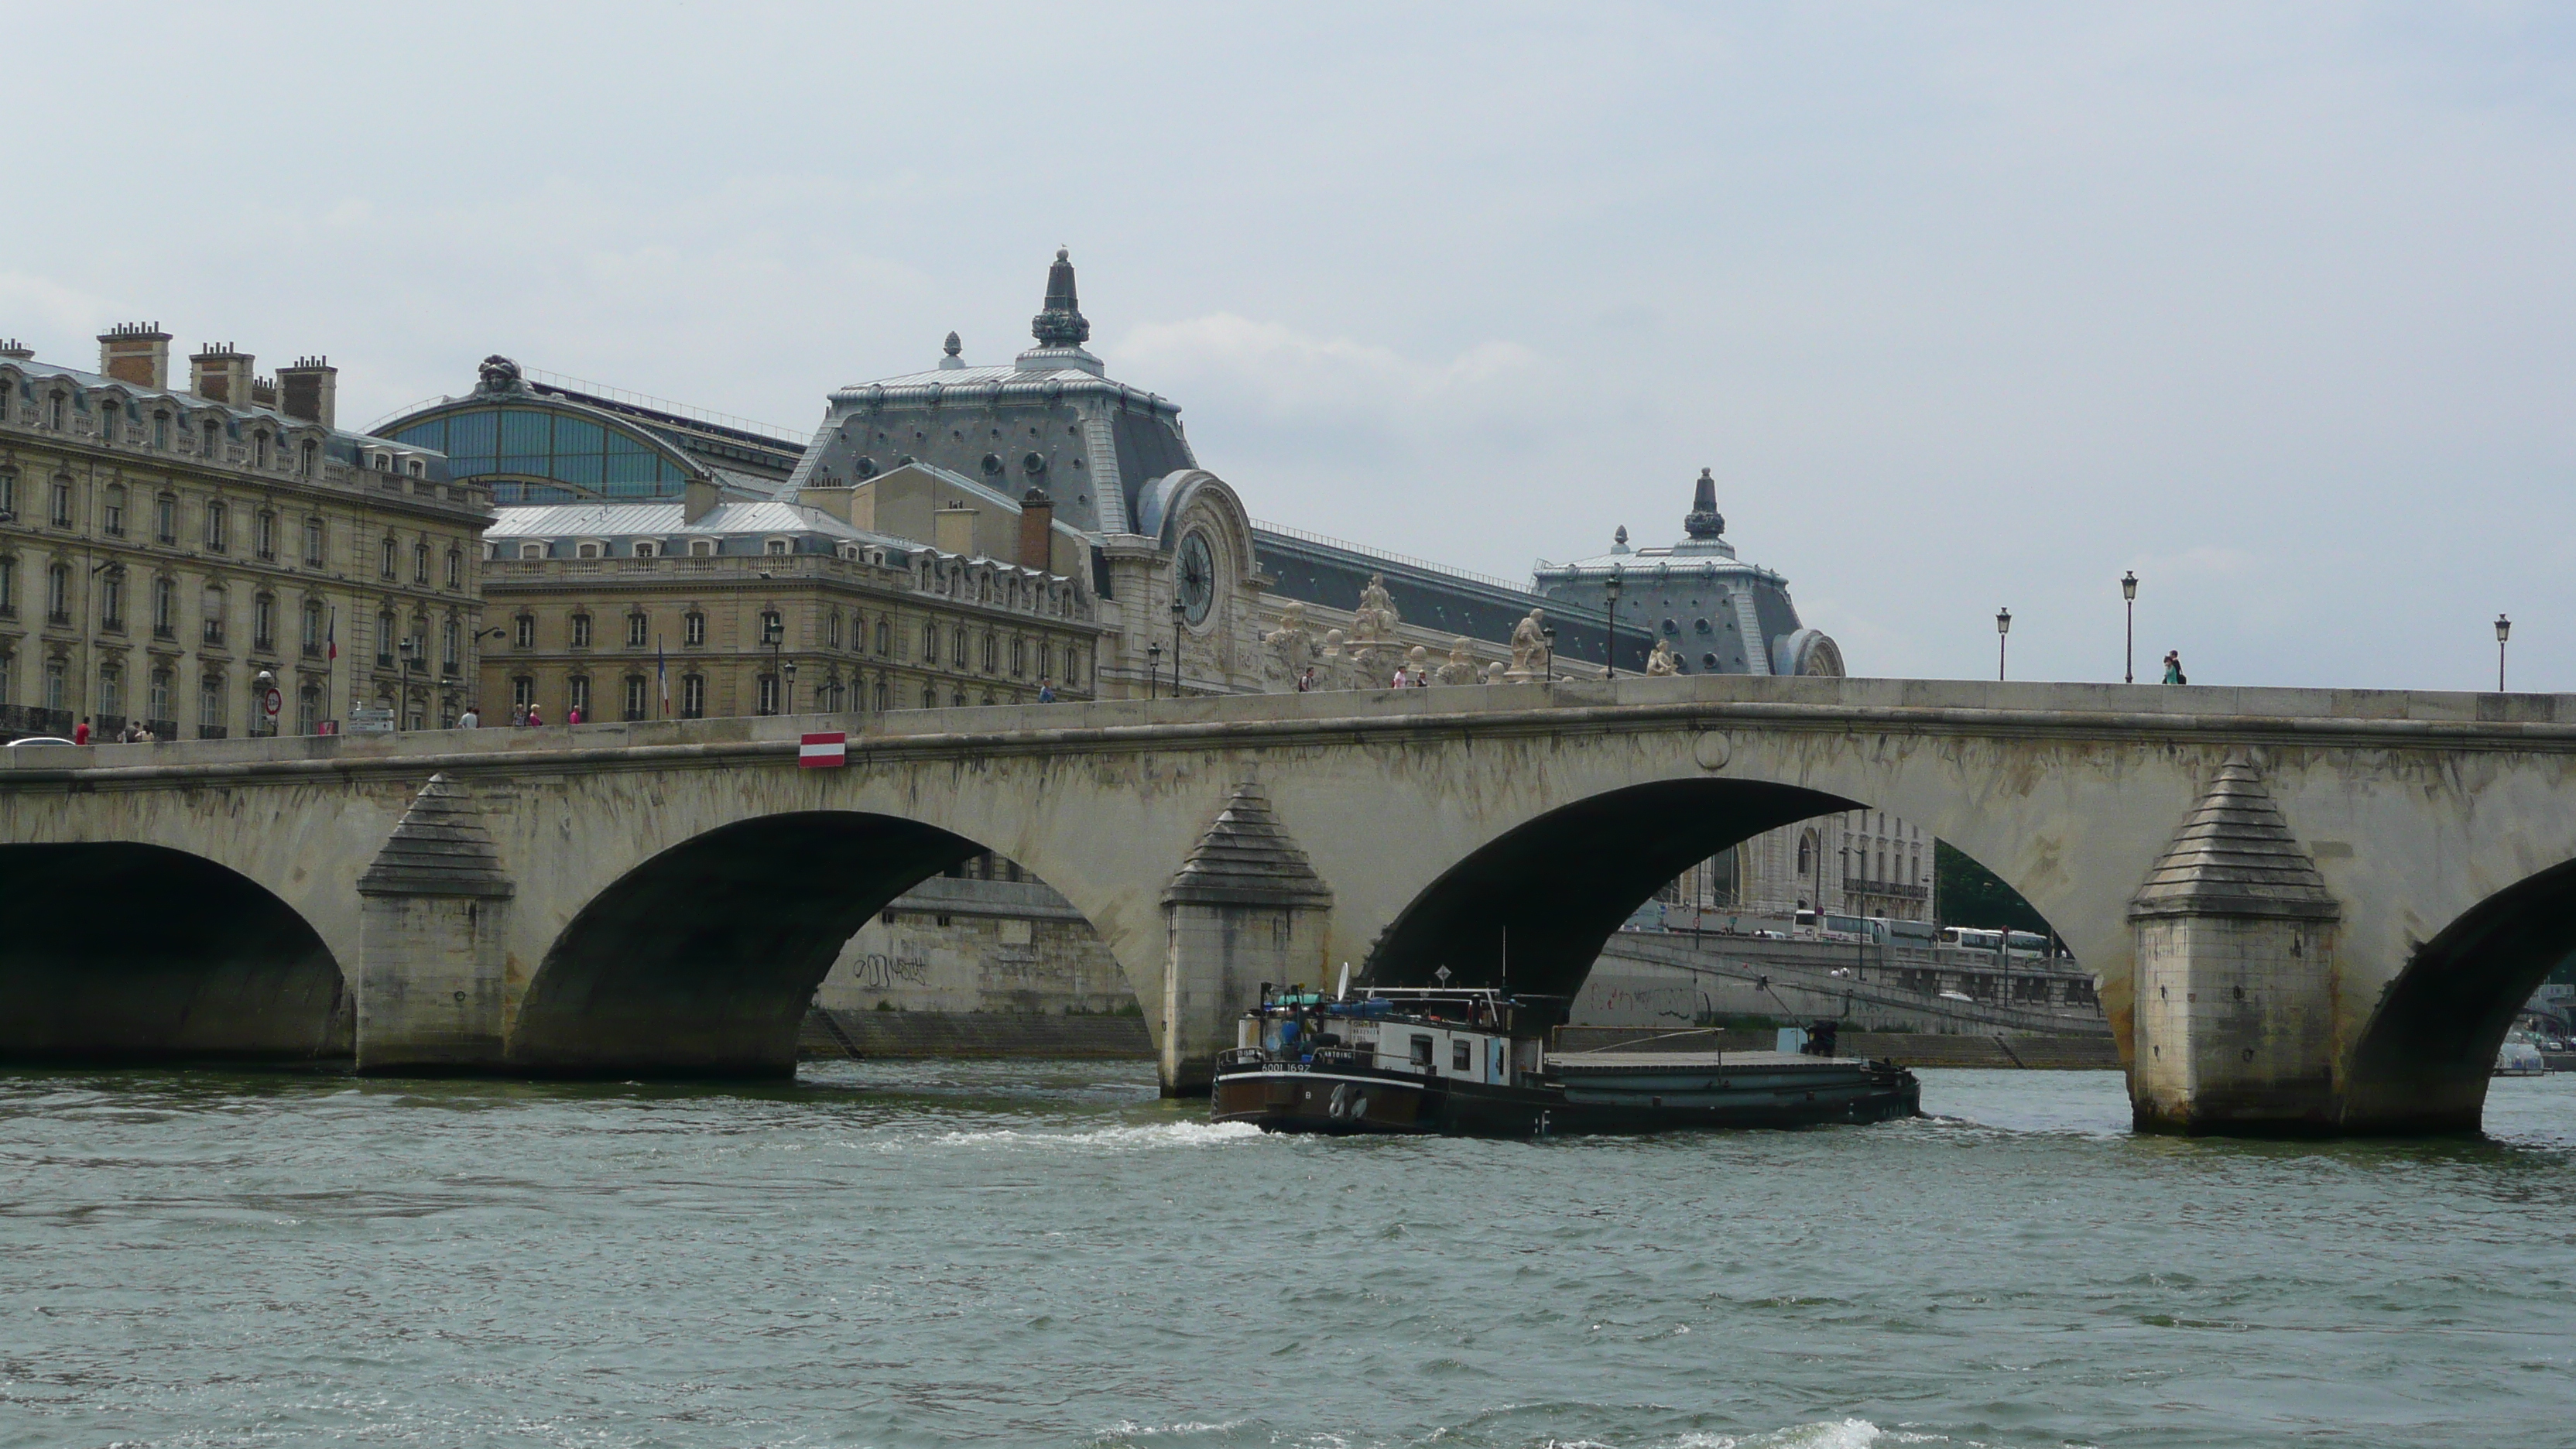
[543,454]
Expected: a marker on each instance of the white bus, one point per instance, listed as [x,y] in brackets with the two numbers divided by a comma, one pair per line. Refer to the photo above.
[2022,944]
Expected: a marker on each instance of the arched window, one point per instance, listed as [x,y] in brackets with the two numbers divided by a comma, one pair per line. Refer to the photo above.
[580,630]
[161,430]
[55,404]
[456,568]
[385,639]
[309,457]
[264,535]
[385,558]
[451,646]
[524,631]
[1803,865]
[532,549]
[259,448]
[693,628]
[263,622]
[111,511]
[420,563]
[58,594]
[165,608]
[638,626]
[312,641]
[211,612]
[882,640]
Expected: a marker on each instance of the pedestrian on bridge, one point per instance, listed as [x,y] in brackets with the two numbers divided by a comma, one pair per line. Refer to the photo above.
[2173,667]
[472,719]
[1046,690]
[535,718]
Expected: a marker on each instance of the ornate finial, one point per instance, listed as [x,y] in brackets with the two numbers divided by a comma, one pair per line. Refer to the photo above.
[1619,540]
[949,361]
[1062,323]
[1704,521]
[953,346]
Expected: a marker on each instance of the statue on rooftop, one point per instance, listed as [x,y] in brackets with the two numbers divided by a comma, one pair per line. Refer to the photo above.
[1663,661]
[1532,657]
[1289,650]
[1461,668]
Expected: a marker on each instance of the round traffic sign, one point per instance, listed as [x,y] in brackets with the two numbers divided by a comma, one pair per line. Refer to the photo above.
[271,702]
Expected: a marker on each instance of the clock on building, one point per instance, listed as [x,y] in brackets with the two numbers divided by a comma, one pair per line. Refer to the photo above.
[1195,577]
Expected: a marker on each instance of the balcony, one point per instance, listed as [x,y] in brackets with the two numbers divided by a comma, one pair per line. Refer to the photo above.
[59,618]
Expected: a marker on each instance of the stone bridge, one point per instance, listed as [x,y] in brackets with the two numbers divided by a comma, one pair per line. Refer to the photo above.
[2309,911]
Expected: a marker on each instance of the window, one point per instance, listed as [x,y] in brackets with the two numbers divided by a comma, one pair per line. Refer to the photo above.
[54,406]
[165,608]
[636,627]
[259,449]
[693,629]
[161,430]
[210,441]
[385,640]
[637,700]
[61,511]
[1461,1054]
[107,422]
[58,594]
[414,468]
[1019,657]
[957,647]
[57,683]
[992,653]
[1422,1052]
[305,460]
[420,563]
[312,626]
[111,607]
[929,642]
[581,631]
[313,543]
[586,549]
[385,559]
[693,696]
[111,511]
[882,640]
[456,568]
[214,614]
[219,526]
[524,631]
[308,709]
[769,694]
[881,696]
[111,690]
[210,707]
[263,623]
[165,519]
[8,597]
[532,550]
[8,483]
[580,694]
[929,697]
[264,535]
[646,548]
[832,626]
[156,696]
[523,693]
[702,548]
[776,547]
[451,646]
[773,629]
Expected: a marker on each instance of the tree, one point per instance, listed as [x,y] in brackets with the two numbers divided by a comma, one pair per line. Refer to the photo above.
[1971,895]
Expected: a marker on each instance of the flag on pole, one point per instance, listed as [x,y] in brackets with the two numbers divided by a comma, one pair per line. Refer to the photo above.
[661,672]
[828,751]
[333,635]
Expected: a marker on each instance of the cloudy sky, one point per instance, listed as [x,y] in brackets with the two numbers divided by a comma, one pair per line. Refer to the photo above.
[1967,306]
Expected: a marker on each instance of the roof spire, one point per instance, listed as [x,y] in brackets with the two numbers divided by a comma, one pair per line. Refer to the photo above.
[1062,323]
[949,361]
[1704,521]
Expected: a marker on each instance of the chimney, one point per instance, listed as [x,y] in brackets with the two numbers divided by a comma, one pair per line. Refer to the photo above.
[310,390]
[952,529]
[830,497]
[219,374]
[136,352]
[699,500]
[263,392]
[17,351]
[1037,532]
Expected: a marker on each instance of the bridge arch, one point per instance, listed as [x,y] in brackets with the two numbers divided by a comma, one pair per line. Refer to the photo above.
[2427,1053]
[120,952]
[702,958]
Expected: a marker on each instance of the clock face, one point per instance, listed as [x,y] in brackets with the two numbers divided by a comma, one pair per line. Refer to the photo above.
[1195,569]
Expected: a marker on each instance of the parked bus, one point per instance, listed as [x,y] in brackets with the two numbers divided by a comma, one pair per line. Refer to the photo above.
[2023,944]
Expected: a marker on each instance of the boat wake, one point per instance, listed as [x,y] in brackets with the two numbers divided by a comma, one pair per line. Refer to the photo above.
[1146,1138]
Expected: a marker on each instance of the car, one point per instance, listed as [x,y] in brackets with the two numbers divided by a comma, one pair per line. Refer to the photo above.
[39,740]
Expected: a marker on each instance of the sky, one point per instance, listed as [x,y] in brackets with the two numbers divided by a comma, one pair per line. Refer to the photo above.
[1967,306]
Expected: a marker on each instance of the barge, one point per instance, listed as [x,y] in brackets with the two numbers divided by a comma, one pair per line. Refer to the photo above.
[1470,1062]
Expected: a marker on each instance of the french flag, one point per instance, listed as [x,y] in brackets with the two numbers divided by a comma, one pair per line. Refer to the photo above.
[828,751]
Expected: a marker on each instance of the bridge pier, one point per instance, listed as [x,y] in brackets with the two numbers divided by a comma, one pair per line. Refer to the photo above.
[432,982]
[1245,907]
[2235,949]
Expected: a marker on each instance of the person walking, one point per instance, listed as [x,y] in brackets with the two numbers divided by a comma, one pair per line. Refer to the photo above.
[2173,667]
[535,718]
[472,719]
[518,716]
[80,732]
[1046,691]
[1306,679]
[574,716]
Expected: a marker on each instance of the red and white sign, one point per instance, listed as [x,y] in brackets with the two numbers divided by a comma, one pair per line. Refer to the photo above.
[271,702]
[824,752]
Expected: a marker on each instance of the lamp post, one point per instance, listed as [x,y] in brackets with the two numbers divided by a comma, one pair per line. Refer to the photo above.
[773,632]
[263,682]
[2504,626]
[1548,633]
[1153,669]
[402,703]
[787,672]
[2129,597]
[1612,654]
[2003,627]
[1180,615]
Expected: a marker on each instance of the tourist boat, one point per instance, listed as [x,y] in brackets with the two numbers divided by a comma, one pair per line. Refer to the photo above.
[2520,1057]
[1468,1062]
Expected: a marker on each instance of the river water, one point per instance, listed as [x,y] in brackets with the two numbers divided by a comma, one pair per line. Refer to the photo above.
[1016,1254]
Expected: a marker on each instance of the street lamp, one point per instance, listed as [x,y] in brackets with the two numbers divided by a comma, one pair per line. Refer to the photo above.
[1180,614]
[1613,654]
[263,681]
[788,672]
[1153,669]
[773,632]
[1548,633]
[2003,627]
[2504,626]
[2129,597]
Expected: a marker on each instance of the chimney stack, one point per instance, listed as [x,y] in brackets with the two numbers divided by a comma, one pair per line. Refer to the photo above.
[310,390]
[952,529]
[17,351]
[136,352]
[219,374]
[1037,532]
[698,499]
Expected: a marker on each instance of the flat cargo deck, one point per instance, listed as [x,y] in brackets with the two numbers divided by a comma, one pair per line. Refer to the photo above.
[1684,1061]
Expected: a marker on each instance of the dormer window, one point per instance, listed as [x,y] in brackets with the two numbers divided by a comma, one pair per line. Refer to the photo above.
[210,439]
[776,547]
[381,462]
[308,457]
[646,548]
[259,449]
[54,409]
[413,467]
[532,550]
[702,548]
[161,430]
[587,548]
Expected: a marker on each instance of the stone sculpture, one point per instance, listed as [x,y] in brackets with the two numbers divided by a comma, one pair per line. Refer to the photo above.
[1531,657]
[1290,649]
[1461,668]
[1662,660]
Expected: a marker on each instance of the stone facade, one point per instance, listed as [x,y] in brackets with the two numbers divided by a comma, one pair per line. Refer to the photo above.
[985,937]
[161,550]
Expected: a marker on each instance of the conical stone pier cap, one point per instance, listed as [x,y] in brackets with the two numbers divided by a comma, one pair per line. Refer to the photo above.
[439,848]
[2235,856]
